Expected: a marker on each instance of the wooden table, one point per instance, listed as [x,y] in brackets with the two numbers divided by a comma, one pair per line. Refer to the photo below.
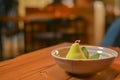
[40,65]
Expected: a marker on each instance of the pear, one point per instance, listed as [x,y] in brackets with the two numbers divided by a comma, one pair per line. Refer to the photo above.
[75,52]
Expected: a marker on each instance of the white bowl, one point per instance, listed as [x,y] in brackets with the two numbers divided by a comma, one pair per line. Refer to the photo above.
[85,66]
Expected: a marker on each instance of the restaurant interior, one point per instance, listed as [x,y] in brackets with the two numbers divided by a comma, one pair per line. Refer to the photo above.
[29,25]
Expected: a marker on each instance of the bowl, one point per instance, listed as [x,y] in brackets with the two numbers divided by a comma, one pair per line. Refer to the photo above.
[84,66]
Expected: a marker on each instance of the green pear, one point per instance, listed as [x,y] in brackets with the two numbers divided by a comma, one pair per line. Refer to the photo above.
[75,52]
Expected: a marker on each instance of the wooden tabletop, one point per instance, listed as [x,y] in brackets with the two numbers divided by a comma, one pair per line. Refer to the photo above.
[40,65]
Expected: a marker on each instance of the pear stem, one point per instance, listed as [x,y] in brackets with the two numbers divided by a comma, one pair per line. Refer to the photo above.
[77,41]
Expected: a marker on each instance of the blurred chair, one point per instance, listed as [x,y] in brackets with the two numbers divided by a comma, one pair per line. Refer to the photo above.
[41,31]
[112,37]
[56,28]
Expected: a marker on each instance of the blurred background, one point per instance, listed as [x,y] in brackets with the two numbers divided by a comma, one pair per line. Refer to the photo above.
[28,25]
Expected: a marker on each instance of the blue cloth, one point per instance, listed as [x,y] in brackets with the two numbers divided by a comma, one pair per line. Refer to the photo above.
[112,36]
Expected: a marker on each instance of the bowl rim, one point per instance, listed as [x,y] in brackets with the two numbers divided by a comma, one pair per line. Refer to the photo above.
[114,53]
